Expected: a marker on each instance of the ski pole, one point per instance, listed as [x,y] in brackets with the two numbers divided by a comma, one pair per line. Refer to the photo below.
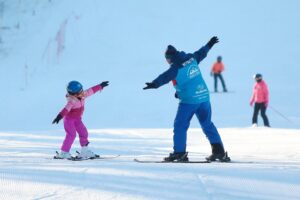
[279,113]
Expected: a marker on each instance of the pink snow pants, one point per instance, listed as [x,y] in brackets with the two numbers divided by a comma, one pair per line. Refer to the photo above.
[73,125]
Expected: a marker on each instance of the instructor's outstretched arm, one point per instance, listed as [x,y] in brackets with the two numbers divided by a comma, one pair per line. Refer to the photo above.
[202,52]
[162,79]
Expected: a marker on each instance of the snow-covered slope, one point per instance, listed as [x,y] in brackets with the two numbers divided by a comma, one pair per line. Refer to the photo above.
[45,44]
[267,166]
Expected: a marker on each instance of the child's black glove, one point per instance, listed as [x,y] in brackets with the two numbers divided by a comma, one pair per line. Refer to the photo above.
[104,84]
[212,41]
[57,119]
[150,86]
[176,95]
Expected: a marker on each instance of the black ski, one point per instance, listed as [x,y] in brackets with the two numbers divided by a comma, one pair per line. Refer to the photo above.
[97,157]
[162,161]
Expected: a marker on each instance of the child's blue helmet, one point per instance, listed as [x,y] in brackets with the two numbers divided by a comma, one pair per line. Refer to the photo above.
[74,87]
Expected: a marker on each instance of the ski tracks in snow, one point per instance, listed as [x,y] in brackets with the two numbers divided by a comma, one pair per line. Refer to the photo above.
[45,196]
[203,178]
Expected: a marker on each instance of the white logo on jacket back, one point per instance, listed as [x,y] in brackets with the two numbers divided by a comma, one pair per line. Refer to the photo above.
[193,69]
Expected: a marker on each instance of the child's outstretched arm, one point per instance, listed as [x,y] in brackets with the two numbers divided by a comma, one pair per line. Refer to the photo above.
[57,119]
[95,89]
[63,112]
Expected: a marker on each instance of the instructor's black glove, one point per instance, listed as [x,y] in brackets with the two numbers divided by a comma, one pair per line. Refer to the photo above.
[212,41]
[150,86]
[104,84]
[57,119]
[176,95]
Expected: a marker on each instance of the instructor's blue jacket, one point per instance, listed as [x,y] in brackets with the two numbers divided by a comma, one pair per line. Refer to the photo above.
[186,77]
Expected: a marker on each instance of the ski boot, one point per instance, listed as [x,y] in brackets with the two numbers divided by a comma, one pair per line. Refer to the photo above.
[218,153]
[254,125]
[86,153]
[177,157]
[62,155]
[222,157]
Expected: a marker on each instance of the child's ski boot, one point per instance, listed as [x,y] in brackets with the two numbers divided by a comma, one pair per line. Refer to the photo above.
[86,153]
[62,155]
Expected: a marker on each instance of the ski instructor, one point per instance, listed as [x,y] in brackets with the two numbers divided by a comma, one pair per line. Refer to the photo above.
[193,94]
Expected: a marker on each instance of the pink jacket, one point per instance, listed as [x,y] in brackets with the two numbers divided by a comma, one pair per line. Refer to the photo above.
[75,106]
[260,93]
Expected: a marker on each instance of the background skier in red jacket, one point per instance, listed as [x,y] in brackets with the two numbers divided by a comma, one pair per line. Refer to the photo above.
[216,71]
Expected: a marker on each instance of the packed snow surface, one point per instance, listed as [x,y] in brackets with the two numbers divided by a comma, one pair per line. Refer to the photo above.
[266,166]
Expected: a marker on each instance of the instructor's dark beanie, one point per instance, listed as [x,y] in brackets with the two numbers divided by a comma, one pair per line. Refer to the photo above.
[170,52]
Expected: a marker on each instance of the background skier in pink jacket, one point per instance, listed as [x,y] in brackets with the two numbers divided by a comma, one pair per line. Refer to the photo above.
[260,97]
[72,113]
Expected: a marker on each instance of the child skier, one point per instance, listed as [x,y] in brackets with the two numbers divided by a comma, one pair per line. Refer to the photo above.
[194,99]
[72,113]
[260,97]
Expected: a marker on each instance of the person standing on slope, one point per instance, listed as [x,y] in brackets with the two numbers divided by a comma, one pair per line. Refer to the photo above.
[260,97]
[194,99]
[216,71]
[72,113]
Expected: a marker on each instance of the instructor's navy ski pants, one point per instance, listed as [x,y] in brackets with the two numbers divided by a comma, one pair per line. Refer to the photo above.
[184,115]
